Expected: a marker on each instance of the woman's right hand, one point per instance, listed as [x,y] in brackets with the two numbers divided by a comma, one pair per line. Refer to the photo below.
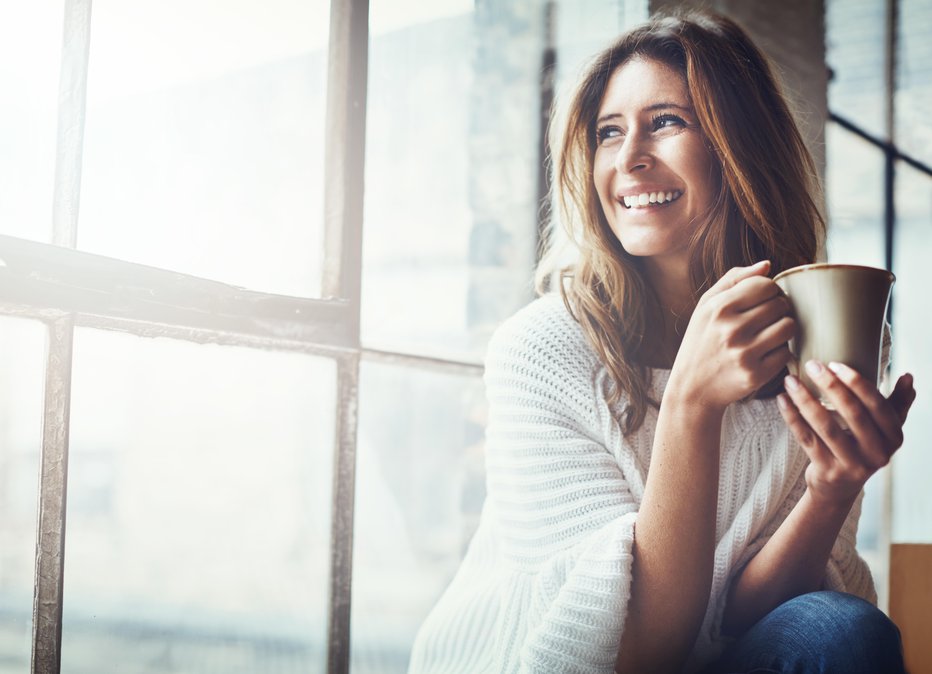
[736,340]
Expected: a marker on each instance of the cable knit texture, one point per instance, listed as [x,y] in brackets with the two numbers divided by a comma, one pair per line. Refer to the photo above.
[545,582]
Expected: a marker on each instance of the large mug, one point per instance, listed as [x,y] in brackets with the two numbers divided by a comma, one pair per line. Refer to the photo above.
[840,310]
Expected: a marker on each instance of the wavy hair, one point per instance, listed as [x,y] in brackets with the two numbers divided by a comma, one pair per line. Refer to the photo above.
[765,206]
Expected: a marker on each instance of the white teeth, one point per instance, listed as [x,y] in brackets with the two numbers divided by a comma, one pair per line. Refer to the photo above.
[647,198]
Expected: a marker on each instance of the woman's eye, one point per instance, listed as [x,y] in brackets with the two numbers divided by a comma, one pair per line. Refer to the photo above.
[667,121]
[604,133]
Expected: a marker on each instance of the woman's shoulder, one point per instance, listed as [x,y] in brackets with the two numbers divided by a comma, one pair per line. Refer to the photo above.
[544,329]
[540,361]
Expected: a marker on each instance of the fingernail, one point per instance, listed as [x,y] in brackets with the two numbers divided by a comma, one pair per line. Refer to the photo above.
[791,382]
[782,403]
[840,369]
[814,368]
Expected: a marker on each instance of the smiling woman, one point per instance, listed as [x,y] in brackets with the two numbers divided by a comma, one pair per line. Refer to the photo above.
[648,510]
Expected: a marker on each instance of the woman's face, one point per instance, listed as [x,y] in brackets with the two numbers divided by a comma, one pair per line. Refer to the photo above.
[653,172]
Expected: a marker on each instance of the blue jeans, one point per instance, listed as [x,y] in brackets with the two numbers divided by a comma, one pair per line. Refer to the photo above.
[820,632]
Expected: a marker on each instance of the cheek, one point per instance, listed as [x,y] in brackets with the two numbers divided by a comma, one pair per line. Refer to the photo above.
[706,172]
[602,179]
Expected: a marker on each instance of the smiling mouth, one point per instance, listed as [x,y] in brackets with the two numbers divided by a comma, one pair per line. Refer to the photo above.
[649,199]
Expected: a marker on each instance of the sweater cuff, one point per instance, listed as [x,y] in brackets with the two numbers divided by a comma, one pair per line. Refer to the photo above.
[579,604]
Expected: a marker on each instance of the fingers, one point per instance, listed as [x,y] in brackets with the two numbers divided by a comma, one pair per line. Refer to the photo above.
[775,360]
[840,443]
[772,335]
[808,440]
[735,275]
[869,418]
[766,304]
[859,401]
[755,299]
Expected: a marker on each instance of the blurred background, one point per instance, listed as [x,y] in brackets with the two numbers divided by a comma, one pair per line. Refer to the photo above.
[200,492]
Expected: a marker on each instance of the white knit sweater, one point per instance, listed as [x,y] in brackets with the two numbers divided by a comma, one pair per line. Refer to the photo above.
[545,583]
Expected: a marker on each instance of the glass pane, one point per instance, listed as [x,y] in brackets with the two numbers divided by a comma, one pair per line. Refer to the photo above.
[204,139]
[420,487]
[22,375]
[452,163]
[30,54]
[198,508]
[914,79]
[854,193]
[582,27]
[855,38]
[912,325]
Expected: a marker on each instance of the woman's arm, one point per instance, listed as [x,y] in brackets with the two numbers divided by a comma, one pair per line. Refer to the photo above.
[674,540]
[735,342]
[793,561]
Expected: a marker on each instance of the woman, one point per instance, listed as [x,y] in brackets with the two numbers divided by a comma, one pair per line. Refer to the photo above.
[685,185]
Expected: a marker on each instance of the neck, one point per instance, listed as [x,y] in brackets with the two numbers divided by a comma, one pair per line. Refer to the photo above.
[675,304]
[672,286]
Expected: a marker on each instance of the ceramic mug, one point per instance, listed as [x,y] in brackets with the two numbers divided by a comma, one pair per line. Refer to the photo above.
[840,311]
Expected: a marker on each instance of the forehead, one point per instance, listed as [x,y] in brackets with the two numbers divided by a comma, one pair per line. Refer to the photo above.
[639,83]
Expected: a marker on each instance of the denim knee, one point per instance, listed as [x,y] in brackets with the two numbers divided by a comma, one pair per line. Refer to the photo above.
[819,632]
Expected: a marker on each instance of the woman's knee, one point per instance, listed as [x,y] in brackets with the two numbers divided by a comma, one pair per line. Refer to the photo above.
[820,632]
[838,610]
[843,628]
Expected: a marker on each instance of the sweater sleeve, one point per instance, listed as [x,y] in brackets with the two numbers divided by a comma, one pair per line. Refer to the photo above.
[565,514]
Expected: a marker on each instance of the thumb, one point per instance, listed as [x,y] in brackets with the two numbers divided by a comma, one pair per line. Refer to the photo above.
[903,396]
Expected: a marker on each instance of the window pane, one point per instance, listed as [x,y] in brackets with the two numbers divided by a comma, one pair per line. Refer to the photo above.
[30,53]
[420,487]
[204,139]
[912,323]
[427,125]
[914,79]
[198,508]
[22,374]
[452,164]
[855,40]
[854,193]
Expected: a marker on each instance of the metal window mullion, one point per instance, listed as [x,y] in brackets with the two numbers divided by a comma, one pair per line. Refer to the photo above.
[345,148]
[72,104]
[50,537]
[890,48]
[50,532]
[422,362]
[43,280]
[344,170]
[342,514]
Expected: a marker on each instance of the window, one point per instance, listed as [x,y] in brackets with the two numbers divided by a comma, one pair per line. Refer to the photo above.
[879,182]
[267,221]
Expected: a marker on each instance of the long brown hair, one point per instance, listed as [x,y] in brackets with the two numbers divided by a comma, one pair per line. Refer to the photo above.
[765,208]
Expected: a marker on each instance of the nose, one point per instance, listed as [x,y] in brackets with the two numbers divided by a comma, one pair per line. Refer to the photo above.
[634,154]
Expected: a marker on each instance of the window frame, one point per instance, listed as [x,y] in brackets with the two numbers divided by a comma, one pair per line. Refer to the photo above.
[65,288]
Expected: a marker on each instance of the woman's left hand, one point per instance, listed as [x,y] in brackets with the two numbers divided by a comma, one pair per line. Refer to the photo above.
[841,460]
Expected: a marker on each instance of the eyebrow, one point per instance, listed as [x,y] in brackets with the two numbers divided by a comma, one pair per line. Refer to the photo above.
[649,108]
